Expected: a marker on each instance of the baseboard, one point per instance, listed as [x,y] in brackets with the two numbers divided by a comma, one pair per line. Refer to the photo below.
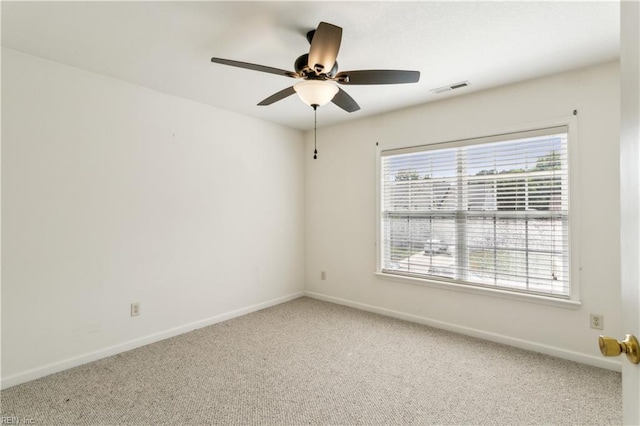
[56,367]
[493,337]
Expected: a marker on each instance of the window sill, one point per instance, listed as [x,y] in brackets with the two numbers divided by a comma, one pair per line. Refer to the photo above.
[489,292]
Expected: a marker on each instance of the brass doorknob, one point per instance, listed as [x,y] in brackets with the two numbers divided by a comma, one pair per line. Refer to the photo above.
[611,347]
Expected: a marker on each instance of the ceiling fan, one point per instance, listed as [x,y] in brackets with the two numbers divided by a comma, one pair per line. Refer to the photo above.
[318,69]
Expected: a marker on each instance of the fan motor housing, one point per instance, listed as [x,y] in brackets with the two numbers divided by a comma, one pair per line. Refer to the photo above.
[302,68]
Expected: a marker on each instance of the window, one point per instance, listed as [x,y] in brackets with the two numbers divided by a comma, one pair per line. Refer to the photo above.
[490,212]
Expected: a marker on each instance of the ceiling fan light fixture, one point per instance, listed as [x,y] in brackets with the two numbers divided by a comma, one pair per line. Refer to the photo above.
[319,70]
[315,92]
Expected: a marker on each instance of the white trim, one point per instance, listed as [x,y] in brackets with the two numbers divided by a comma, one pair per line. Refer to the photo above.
[570,122]
[463,133]
[66,364]
[378,208]
[524,134]
[574,208]
[595,361]
[484,291]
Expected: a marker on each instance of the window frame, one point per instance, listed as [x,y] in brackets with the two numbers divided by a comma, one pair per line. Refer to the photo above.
[573,300]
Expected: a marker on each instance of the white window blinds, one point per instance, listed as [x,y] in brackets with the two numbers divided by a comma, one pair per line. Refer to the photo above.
[487,212]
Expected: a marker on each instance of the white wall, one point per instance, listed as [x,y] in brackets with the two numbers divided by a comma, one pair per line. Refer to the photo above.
[341,212]
[113,193]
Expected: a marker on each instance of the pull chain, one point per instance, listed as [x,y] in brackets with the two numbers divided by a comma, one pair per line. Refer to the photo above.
[315,126]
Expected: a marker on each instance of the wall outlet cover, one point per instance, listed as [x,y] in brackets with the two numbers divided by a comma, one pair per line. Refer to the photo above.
[596,321]
[135,309]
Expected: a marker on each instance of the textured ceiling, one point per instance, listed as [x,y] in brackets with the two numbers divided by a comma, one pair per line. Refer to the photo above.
[167,46]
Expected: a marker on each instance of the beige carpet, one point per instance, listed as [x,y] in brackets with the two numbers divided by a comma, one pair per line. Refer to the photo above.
[312,362]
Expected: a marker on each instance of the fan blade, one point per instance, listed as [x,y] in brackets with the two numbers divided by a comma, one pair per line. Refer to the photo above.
[255,67]
[344,101]
[377,77]
[324,47]
[278,96]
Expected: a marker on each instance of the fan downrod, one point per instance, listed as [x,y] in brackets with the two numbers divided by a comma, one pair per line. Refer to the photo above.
[310,35]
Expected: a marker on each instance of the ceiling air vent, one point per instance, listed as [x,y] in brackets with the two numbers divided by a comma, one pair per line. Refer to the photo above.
[450,87]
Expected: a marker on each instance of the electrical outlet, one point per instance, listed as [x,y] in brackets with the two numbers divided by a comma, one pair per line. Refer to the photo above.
[135,309]
[596,321]
[323,275]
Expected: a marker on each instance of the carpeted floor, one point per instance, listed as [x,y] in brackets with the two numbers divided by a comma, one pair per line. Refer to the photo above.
[312,362]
